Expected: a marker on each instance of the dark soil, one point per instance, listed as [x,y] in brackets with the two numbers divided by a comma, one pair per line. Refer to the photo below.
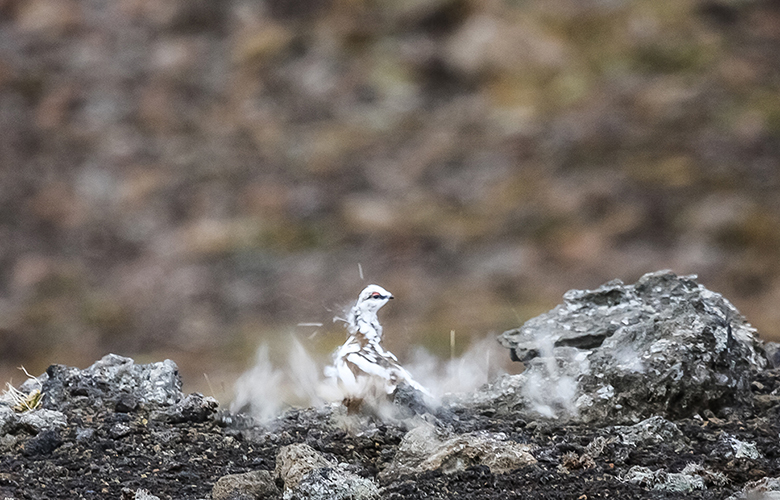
[104,451]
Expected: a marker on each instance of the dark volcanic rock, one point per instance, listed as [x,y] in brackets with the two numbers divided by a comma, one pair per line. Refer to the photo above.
[663,346]
[43,444]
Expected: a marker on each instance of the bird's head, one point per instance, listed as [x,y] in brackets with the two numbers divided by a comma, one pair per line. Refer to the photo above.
[372,298]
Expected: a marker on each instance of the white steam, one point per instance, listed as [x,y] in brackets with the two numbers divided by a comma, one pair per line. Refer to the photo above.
[267,388]
[483,361]
[550,385]
[276,383]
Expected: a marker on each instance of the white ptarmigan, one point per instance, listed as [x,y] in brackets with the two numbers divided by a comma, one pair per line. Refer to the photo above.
[363,369]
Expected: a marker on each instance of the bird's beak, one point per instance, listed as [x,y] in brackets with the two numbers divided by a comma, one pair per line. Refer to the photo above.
[391,297]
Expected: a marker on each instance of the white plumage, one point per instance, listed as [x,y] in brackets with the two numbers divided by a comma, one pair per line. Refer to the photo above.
[362,369]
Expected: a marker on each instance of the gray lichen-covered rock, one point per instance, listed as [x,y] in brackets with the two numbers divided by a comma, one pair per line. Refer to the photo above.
[142,494]
[113,379]
[41,420]
[731,447]
[652,431]
[663,346]
[692,477]
[193,408]
[308,475]
[293,462]
[32,421]
[334,483]
[246,486]
[425,448]
[139,494]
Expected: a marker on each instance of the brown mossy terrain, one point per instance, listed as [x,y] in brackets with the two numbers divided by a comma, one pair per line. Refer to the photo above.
[183,178]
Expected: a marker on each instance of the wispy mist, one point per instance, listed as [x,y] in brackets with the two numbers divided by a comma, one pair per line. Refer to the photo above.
[275,383]
[551,387]
[271,386]
[484,360]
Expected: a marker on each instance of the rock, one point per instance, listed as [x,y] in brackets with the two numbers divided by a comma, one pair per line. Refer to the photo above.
[126,403]
[334,483]
[408,401]
[731,447]
[307,474]
[663,346]
[262,44]
[246,486]
[189,459]
[48,17]
[84,435]
[426,449]
[293,462]
[194,408]
[42,420]
[142,494]
[139,494]
[113,379]
[43,444]
[32,421]
[7,419]
[119,430]
[8,441]
[487,42]
[692,477]
[767,488]
[153,383]
[653,431]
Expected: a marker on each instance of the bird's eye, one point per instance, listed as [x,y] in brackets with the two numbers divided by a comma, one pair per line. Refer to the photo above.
[376,295]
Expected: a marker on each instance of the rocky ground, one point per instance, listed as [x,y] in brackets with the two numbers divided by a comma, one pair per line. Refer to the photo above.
[123,430]
[106,451]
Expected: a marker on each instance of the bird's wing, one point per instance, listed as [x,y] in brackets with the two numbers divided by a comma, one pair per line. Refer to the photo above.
[398,372]
[370,364]
[345,375]
[384,353]
[383,364]
[350,346]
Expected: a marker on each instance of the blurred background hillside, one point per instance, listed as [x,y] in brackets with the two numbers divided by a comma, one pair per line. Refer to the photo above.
[188,178]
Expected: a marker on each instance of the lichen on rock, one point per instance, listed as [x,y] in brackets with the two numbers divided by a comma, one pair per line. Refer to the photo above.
[307,474]
[663,346]
[111,379]
[425,448]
